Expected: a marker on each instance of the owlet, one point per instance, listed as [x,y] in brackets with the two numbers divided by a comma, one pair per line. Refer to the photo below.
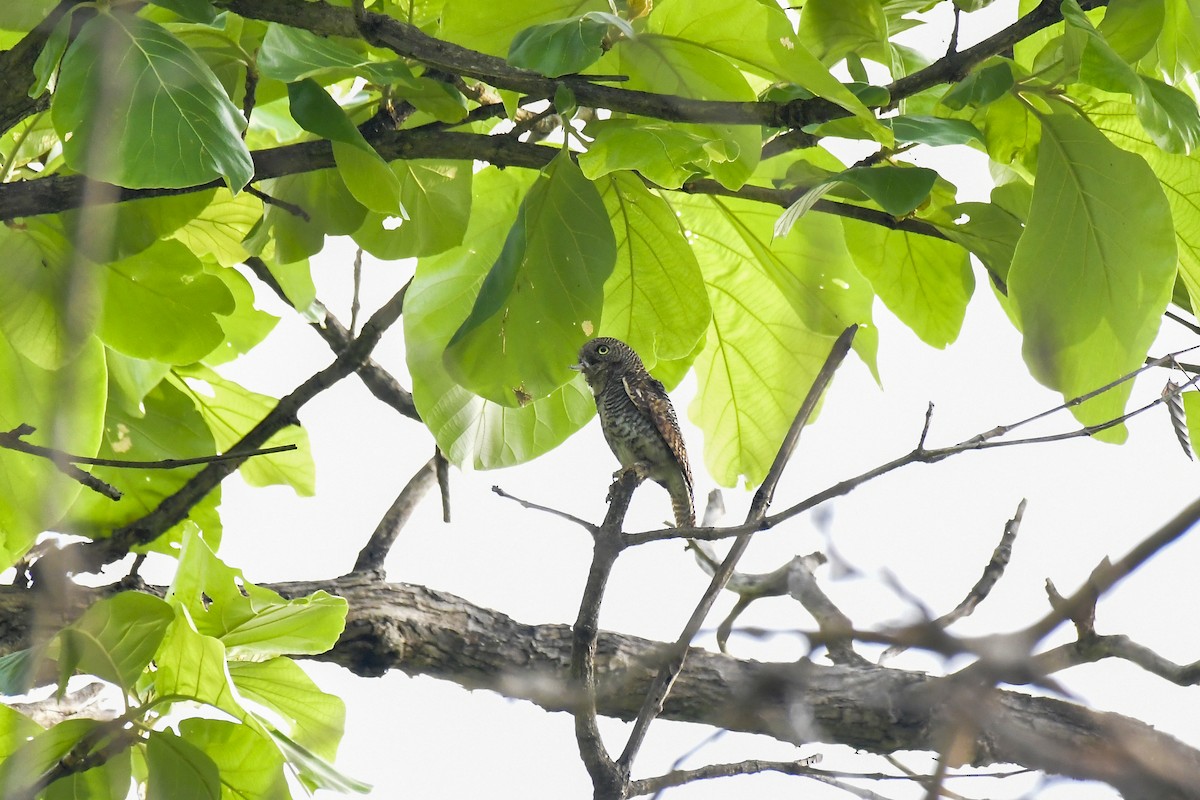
[638,420]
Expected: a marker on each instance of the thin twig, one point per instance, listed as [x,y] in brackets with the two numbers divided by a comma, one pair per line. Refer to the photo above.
[291,208]
[583,523]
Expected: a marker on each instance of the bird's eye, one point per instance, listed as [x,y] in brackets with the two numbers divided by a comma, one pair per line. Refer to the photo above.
[602,349]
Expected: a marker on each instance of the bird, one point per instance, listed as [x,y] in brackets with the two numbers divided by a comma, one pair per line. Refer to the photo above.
[638,421]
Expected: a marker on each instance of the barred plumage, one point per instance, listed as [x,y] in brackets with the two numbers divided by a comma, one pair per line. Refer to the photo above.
[638,420]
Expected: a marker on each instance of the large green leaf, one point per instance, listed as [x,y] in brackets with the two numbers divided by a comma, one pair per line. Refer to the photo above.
[543,293]
[664,153]
[810,267]
[34,757]
[178,770]
[143,110]
[761,36]
[655,298]
[192,665]
[1179,176]
[490,27]
[667,65]
[436,197]
[160,304]
[217,231]
[988,231]
[231,411]
[38,290]
[926,282]
[328,207]
[559,47]
[314,719]
[250,621]
[897,190]
[834,29]
[162,423]
[249,765]
[108,781]
[68,403]
[366,174]
[1093,271]
[468,428]
[1168,114]
[753,373]
[115,638]
[1131,27]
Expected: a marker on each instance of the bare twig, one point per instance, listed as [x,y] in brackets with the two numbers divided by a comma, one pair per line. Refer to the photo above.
[583,523]
[291,208]
[377,380]
[751,767]
[983,587]
[442,467]
[372,555]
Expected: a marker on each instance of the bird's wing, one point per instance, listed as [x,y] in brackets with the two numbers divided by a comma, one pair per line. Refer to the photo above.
[650,397]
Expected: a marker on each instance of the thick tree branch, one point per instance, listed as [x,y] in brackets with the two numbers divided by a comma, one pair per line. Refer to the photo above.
[422,631]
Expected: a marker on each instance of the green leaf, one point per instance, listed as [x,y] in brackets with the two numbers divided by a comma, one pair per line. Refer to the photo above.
[1177,51]
[897,190]
[115,638]
[810,267]
[934,131]
[124,76]
[193,10]
[753,373]
[1131,27]
[491,27]
[246,325]
[559,48]
[1103,238]
[33,494]
[250,621]
[231,411]
[33,758]
[655,299]
[33,313]
[468,428]
[437,198]
[543,292]
[18,674]
[666,65]
[178,770]
[52,52]
[15,728]
[159,304]
[315,772]
[329,208]
[109,781]
[990,232]
[833,29]
[663,152]
[161,423]
[192,665]
[315,719]
[249,765]
[218,229]
[925,282]
[1168,115]
[1179,176]
[981,87]
[366,174]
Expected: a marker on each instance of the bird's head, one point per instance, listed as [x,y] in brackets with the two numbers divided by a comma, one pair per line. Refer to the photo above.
[601,357]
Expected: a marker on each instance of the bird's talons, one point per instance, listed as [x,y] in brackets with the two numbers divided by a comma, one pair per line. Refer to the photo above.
[635,473]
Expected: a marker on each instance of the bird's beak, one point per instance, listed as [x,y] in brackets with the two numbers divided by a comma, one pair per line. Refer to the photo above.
[578,367]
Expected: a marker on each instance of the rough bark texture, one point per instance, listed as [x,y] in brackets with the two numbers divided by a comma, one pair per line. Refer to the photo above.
[426,632]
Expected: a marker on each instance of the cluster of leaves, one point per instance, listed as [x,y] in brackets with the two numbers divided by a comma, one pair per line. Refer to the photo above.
[216,639]
[661,223]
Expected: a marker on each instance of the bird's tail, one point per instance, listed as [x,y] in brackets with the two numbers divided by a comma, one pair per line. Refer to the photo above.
[681,505]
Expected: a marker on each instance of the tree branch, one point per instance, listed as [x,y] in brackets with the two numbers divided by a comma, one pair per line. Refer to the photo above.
[380,544]
[93,555]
